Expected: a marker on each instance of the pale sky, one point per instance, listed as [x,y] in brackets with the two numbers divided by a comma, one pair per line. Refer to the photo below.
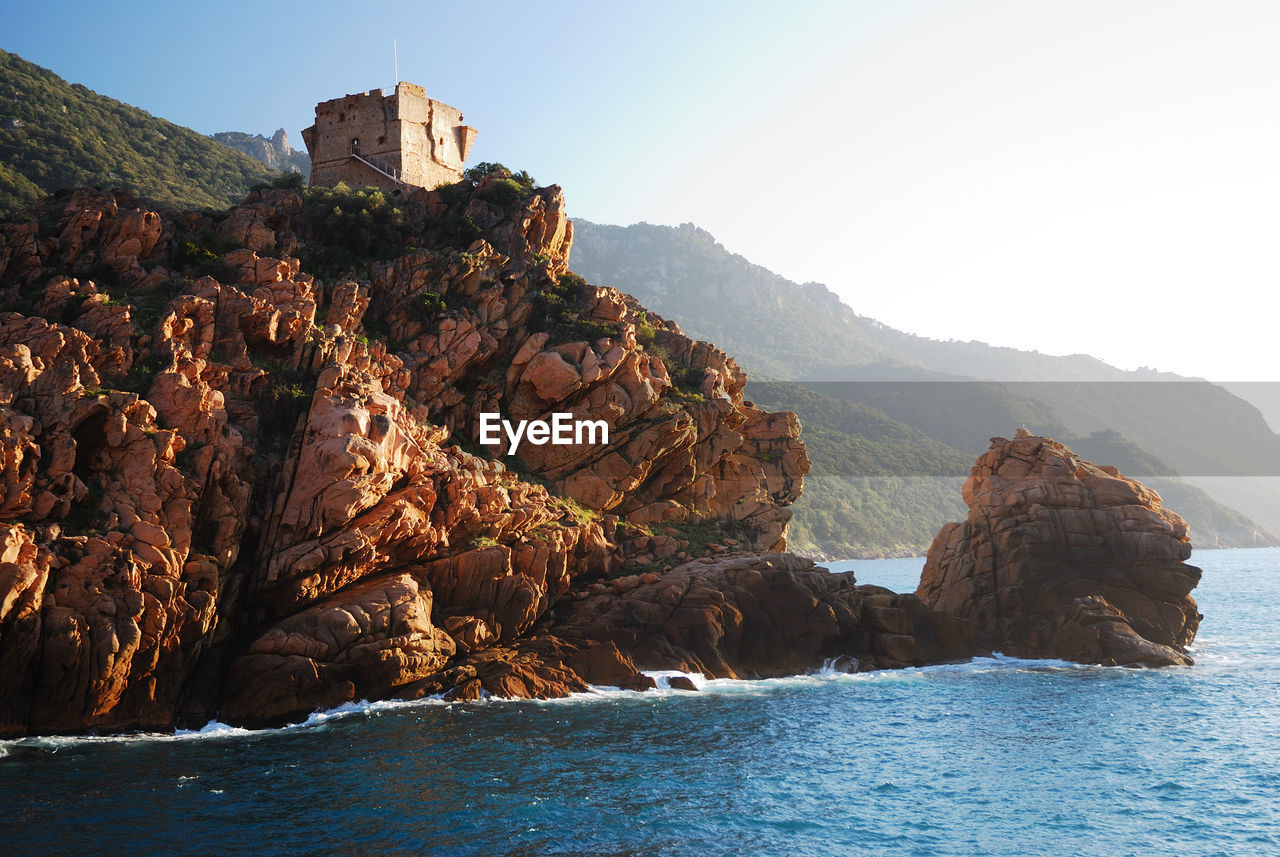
[1096,177]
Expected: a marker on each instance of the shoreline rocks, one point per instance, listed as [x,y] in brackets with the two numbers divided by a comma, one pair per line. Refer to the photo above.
[763,616]
[247,485]
[1061,558]
[240,488]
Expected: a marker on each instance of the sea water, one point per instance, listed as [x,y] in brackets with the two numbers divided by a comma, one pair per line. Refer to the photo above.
[996,756]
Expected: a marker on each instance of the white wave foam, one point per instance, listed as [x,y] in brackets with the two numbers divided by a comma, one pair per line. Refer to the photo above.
[998,659]
[212,729]
[364,708]
[831,671]
[663,678]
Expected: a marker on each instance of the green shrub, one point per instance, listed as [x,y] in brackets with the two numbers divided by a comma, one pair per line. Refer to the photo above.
[703,533]
[280,402]
[502,192]
[138,378]
[292,180]
[486,168]
[430,305]
[580,513]
[685,379]
[202,254]
[454,230]
[345,228]
[559,308]
[644,330]
[147,305]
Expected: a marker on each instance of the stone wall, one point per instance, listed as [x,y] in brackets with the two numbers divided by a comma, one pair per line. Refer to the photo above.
[433,140]
[420,137]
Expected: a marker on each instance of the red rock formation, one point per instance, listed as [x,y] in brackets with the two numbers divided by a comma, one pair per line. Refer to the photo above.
[236,482]
[1060,558]
[362,643]
[235,486]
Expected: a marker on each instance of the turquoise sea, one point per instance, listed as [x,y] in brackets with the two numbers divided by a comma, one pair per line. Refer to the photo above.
[997,756]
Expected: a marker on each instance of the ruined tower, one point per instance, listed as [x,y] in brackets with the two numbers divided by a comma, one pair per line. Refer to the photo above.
[389,141]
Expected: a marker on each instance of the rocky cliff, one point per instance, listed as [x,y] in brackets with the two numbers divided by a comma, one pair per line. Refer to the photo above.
[274,151]
[239,488]
[1060,558]
[245,480]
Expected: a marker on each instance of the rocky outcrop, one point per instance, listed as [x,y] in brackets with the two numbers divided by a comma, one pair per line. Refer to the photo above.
[249,484]
[761,616]
[245,478]
[1060,558]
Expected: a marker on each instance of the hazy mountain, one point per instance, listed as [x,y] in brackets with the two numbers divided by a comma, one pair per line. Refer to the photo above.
[786,330]
[683,270]
[274,151]
[55,134]
[956,393]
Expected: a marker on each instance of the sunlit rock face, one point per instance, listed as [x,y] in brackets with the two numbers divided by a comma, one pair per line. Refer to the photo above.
[243,477]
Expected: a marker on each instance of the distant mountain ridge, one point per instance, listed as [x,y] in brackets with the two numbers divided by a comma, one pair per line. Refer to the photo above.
[274,151]
[957,393]
[55,135]
[804,332]
[683,269]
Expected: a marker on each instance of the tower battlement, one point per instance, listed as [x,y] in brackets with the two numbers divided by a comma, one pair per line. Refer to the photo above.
[388,140]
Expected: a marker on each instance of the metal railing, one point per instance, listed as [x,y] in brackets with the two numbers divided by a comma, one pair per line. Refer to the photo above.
[381,164]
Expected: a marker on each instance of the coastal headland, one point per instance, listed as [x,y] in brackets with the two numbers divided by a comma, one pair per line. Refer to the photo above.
[245,480]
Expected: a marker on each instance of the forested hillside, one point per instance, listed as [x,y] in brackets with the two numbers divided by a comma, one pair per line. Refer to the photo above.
[55,134]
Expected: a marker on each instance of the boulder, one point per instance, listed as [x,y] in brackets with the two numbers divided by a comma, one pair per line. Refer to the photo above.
[1061,558]
[360,644]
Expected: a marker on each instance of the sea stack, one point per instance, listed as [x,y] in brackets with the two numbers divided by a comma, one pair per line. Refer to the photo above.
[1061,558]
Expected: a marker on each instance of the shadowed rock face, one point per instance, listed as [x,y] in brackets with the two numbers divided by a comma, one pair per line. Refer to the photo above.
[761,617]
[235,488]
[1060,558]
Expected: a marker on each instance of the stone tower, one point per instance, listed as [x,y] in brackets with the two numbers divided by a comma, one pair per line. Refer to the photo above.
[389,141]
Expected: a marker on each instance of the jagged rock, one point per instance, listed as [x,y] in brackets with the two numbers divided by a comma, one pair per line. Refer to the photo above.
[1060,558]
[274,151]
[362,643]
[760,616]
[234,487]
